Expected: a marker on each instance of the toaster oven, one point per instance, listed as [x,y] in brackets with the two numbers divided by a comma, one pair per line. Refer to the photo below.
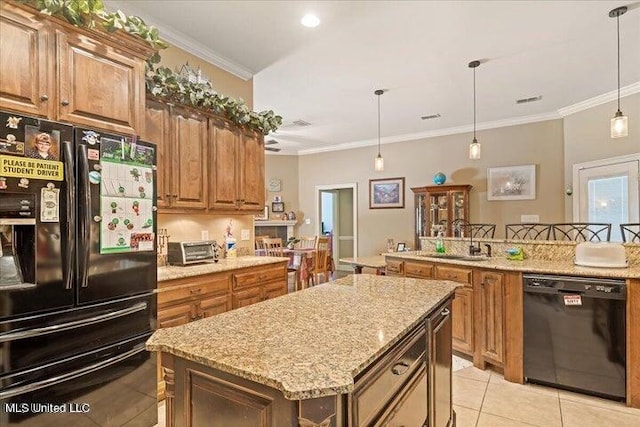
[186,253]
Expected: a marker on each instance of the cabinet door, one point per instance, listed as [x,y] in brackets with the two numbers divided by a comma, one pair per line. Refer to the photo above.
[176,315]
[251,172]
[214,304]
[223,182]
[276,289]
[462,318]
[188,152]
[490,330]
[247,297]
[157,130]
[26,63]
[99,86]
[440,353]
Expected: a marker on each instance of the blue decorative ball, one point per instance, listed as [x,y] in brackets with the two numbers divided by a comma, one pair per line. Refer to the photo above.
[439,178]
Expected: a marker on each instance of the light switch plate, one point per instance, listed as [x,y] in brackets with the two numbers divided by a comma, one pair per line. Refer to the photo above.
[244,234]
[204,235]
[529,218]
[307,221]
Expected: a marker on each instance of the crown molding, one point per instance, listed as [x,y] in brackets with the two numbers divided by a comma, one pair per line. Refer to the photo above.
[180,40]
[433,133]
[631,89]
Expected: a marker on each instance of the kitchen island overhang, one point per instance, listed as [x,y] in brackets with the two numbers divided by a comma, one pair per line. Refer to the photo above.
[309,344]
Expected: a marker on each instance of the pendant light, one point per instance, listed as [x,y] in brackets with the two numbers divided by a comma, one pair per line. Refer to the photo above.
[474,147]
[619,122]
[379,162]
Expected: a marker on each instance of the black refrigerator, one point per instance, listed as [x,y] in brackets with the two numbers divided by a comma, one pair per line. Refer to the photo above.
[77,276]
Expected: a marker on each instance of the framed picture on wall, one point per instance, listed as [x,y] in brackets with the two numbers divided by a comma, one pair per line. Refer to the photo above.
[386,193]
[511,183]
[277,207]
[262,216]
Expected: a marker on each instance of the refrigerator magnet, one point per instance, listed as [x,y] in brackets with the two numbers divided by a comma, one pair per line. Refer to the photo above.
[3,183]
[12,122]
[24,183]
[50,204]
[90,137]
[93,154]
[94,177]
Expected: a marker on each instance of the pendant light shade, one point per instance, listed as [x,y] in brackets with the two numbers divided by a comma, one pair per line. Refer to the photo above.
[619,122]
[474,147]
[379,161]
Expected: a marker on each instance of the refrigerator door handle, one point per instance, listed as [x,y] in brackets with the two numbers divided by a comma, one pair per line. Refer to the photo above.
[70,252]
[16,391]
[85,220]
[29,333]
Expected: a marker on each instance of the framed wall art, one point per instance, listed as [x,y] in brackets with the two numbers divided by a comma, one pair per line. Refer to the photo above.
[277,207]
[386,193]
[262,216]
[511,183]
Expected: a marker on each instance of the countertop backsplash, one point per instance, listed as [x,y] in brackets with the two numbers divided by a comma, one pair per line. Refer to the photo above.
[546,250]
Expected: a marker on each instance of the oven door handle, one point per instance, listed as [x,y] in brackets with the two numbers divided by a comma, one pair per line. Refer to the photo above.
[16,391]
[34,332]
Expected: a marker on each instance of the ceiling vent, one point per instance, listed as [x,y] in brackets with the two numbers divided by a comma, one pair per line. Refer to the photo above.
[527,100]
[430,116]
[301,123]
[271,142]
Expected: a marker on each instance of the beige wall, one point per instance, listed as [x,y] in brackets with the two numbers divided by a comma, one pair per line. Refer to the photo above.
[536,143]
[284,168]
[222,81]
[587,137]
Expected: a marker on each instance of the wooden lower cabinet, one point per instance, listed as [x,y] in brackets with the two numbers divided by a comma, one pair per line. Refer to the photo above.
[193,298]
[462,309]
[394,267]
[490,331]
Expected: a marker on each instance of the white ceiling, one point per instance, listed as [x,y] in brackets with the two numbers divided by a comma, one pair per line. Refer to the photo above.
[418,51]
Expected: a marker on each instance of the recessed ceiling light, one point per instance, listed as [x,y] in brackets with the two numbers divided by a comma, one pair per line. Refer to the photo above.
[310,20]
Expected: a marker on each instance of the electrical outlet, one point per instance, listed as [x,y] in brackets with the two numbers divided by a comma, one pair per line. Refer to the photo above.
[529,218]
[307,221]
[204,235]
[244,234]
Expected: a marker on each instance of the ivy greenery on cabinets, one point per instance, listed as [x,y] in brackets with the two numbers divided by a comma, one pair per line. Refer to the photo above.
[161,82]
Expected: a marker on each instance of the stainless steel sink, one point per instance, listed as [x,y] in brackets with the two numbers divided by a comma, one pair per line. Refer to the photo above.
[454,256]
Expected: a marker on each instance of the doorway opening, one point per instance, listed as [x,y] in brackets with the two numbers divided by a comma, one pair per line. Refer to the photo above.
[608,192]
[337,213]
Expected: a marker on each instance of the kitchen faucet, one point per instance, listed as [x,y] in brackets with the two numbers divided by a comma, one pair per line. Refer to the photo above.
[472,249]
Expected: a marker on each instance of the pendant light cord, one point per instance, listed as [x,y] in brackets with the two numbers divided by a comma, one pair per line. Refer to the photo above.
[618,28]
[474,104]
[378,125]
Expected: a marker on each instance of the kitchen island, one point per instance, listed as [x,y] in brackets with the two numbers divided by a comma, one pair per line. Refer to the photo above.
[362,349]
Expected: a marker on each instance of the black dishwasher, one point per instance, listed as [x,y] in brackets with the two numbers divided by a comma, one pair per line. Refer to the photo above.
[575,334]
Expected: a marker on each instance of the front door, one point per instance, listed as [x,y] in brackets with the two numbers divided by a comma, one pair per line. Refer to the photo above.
[608,192]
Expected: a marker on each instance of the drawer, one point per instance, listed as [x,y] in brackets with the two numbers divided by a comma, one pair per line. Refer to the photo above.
[378,385]
[420,270]
[456,274]
[202,286]
[394,266]
[253,278]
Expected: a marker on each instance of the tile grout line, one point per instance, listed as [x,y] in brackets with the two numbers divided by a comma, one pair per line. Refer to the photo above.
[484,395]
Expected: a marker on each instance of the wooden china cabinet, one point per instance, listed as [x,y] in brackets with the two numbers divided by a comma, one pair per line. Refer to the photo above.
[437,206]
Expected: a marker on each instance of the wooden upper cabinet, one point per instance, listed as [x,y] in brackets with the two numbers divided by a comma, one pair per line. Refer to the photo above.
[189,160]
[158,131]
[251,172]
[223,179]
[51,69]
[26,67]
[100,86]
[236,180]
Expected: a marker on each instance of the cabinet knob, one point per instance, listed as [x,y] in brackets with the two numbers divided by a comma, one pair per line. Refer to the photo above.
[44,98]
[445,312]
[64,102]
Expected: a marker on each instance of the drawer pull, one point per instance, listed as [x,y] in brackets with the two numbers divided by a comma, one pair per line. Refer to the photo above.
[262,276]
[445,312]
[399,368]
[195,291]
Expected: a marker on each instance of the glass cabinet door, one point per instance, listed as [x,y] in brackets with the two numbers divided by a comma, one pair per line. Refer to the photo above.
[421,218]
[439,210]
[436,207]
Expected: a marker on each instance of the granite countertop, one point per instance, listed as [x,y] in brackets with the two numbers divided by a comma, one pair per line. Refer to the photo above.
[310,343]
[179,272]
[527,265]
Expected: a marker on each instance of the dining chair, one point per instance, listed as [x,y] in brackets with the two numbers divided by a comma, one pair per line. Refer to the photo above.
[307,242]
[581,231]
[321,260]
[527,231]
[273,247]
[260,243]
[630,232]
